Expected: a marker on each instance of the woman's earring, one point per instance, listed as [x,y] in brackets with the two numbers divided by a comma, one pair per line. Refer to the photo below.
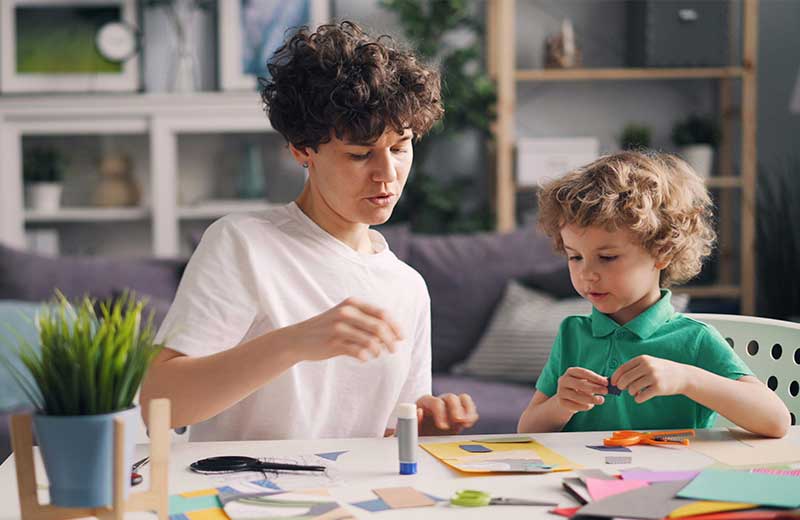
[305,165]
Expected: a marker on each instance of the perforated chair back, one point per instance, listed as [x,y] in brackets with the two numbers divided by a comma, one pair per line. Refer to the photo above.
[771,348]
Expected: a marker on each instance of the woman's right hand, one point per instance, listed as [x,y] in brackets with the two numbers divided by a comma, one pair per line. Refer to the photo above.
[352,328]
[578,389]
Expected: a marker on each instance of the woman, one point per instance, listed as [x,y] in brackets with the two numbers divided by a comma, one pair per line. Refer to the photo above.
[298,321]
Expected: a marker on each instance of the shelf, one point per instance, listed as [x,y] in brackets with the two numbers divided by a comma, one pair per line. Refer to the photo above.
[628,74]
[710,291]
[216,209]
[88,215]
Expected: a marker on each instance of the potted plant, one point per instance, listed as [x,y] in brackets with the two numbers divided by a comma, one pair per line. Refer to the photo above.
[696,137]
[635,137]
[84,375]
[43,171]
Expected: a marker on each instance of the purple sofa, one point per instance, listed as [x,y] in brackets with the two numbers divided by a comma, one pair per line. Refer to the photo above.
[465,274]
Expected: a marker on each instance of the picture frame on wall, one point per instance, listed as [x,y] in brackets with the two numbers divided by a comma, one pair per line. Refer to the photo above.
[250,31]
[55,46]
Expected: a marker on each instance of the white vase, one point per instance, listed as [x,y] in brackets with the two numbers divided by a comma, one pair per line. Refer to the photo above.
[44,196]
[700,157]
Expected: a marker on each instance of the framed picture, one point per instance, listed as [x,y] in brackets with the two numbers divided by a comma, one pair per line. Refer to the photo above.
[250,31]
[51,46]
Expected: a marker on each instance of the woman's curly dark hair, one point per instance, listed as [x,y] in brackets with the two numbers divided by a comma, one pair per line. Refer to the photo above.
[340,79]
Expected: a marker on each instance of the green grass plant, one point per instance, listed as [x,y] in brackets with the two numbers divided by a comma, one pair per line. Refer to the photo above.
[90,361]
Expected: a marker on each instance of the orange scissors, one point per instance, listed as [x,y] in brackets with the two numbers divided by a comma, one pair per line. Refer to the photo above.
[629,438]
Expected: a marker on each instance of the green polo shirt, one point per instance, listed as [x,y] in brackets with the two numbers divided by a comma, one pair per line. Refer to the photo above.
[598,343]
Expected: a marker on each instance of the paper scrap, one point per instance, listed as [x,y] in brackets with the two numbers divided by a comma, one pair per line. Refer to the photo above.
[403,497]
[530,457]
[474,448]
[658,476]
[618,460]
[569,512]
[331,455]
[741,449]
[600,489]
[602,447]
[577,488]
[705,507]
[613,390]
[596,473]
[784,472]
[179,504]
[744,486]
[651,502]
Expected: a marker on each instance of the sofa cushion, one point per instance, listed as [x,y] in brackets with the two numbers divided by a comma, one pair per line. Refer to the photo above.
[466,276]
[31,277]
[499,404]
[517,342]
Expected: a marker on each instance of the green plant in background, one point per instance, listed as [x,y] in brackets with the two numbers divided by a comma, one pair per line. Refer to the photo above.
[696,130]
[778,240]
[635,137]
[43,164]
[88,363]
[430,204]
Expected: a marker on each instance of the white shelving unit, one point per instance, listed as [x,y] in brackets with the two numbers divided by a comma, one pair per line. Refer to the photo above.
[156,122]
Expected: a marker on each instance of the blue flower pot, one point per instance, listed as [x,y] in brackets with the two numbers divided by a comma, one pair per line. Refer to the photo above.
[78,456]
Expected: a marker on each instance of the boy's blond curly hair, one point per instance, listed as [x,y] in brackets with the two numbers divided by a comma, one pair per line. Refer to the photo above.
[655,196]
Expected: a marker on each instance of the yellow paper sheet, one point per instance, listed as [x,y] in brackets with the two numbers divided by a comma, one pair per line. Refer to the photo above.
[207,514]
[451,454]
[705,507]
[200,493]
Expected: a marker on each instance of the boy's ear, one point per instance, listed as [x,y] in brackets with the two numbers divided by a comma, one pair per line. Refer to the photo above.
[300,155]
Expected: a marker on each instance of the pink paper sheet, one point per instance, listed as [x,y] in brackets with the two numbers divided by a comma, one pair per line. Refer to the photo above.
[600,489]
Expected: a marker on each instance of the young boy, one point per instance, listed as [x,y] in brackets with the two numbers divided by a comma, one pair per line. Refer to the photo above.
[631,225]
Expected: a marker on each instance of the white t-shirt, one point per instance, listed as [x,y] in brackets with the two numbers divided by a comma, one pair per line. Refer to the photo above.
[252,273]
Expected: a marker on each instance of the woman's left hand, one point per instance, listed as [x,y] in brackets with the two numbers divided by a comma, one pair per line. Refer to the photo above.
[446,414]
[645,377]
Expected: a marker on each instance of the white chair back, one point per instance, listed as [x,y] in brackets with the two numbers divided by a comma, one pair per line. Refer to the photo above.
[771,348]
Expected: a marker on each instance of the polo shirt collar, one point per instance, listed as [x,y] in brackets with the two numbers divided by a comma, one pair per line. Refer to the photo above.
[643,325]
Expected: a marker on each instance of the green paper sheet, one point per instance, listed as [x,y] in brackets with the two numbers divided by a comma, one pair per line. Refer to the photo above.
[742,486]
[179,504]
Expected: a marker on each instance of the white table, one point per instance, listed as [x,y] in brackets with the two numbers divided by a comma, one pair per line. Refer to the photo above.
[372,463]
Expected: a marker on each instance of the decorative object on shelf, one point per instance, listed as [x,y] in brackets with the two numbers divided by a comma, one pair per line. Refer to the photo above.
[696,137]
[184,73]
[43,171]
[51,46]
[635,137]
[250,183]
[677,33]
[778,239]
[251,31]
[561,50]
[83,376]
[117,186]
[539,159]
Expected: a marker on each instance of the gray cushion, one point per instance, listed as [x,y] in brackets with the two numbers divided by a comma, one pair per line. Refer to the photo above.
[499,404]
[16,320]
[31,277]
[517,342]
[466,276]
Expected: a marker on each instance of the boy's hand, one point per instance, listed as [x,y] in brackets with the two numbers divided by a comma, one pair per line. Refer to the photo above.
[447,414]
[646,376]
[578,387]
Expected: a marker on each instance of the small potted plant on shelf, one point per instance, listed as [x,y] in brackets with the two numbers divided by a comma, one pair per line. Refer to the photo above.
[84,374]
[635,137]
[696,137]
[43,171]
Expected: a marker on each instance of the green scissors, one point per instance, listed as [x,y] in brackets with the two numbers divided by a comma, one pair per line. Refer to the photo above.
[474,498]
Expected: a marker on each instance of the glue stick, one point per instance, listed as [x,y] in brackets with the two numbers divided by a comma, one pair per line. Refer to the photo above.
[407,437]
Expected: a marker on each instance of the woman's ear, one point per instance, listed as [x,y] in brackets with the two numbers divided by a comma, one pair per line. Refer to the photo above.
[300,155]
[662,263]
